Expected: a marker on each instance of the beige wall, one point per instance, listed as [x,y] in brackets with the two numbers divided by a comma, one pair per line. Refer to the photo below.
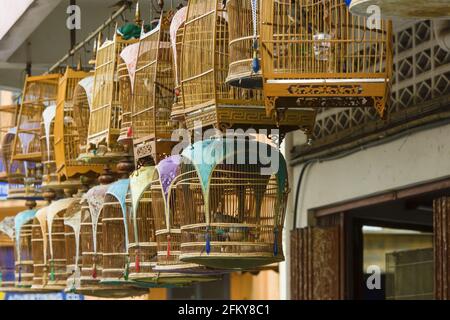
[264,286]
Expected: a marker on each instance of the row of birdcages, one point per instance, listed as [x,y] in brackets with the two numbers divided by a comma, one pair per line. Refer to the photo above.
[190,219]
[117,227]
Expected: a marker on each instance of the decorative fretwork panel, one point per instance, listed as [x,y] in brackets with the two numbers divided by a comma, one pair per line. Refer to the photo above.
[421,74]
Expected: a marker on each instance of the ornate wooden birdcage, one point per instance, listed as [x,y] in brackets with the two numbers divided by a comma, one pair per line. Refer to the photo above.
[24,266]
[153,93]
[153,256]
[24,177]
[234,203]
[7,114]
[82,106]
[106,112]
[115,234]
[39,244]
[92,249]
[39,93]
[49,176]
[400,8]
[176,38]
[70,129]
[245,62]
[205,63]
[317,54]
[57,259]
[6,256]
[72,226]
[168,212]
[141,229]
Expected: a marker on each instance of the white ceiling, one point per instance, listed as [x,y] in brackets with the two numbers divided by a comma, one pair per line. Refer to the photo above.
[43,26]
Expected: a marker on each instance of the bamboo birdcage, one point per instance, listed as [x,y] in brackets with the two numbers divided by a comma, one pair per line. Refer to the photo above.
[115,234]
[7,260]
[244,71]
[49,176]
[317,54]
[72,226]
[153,93]
[205,63]
[24,178]
[91,245]
[234,206]
[176,38]
[125,71]
[7,114]
[57,261]
[106,111]
[141,232]
[150,261]
[24,266]
[39,93]
[39,241]
[70,129]
[82,106]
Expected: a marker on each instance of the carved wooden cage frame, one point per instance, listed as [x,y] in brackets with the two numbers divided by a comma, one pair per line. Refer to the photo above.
[72,117]
[204,69]
[317,54]
[153,93]
[233,212]
[106,104]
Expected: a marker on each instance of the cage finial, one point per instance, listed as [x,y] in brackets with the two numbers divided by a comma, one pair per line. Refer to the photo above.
[138,19]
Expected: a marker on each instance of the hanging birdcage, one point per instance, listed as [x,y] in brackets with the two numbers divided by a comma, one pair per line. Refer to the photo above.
[115,234]
[106,111]
[168,212]
[153,93]
[70,129]
[24,266]
[82,106]
[317,54]
[205,63]
[245,62]
[39,241]
[234,203]
[57,261]
[91,244]
[24,178]
[400,8]
[141,230]
[39,93]
[176,38]
[143,247]
[49,176]
[72,226]
[7,114]
[126,71]
[6,259]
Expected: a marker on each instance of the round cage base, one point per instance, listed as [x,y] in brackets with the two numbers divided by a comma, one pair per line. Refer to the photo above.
[231,262]
[175,279]
[44,289]
[190,268]
[402,8]
[102,158]
[110,291]
[246,81]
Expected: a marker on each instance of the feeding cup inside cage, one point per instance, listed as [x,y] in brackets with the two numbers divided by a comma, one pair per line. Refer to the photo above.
[322,46]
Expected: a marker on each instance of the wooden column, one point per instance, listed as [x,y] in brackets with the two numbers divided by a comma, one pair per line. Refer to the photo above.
[316,264]
[441,248]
